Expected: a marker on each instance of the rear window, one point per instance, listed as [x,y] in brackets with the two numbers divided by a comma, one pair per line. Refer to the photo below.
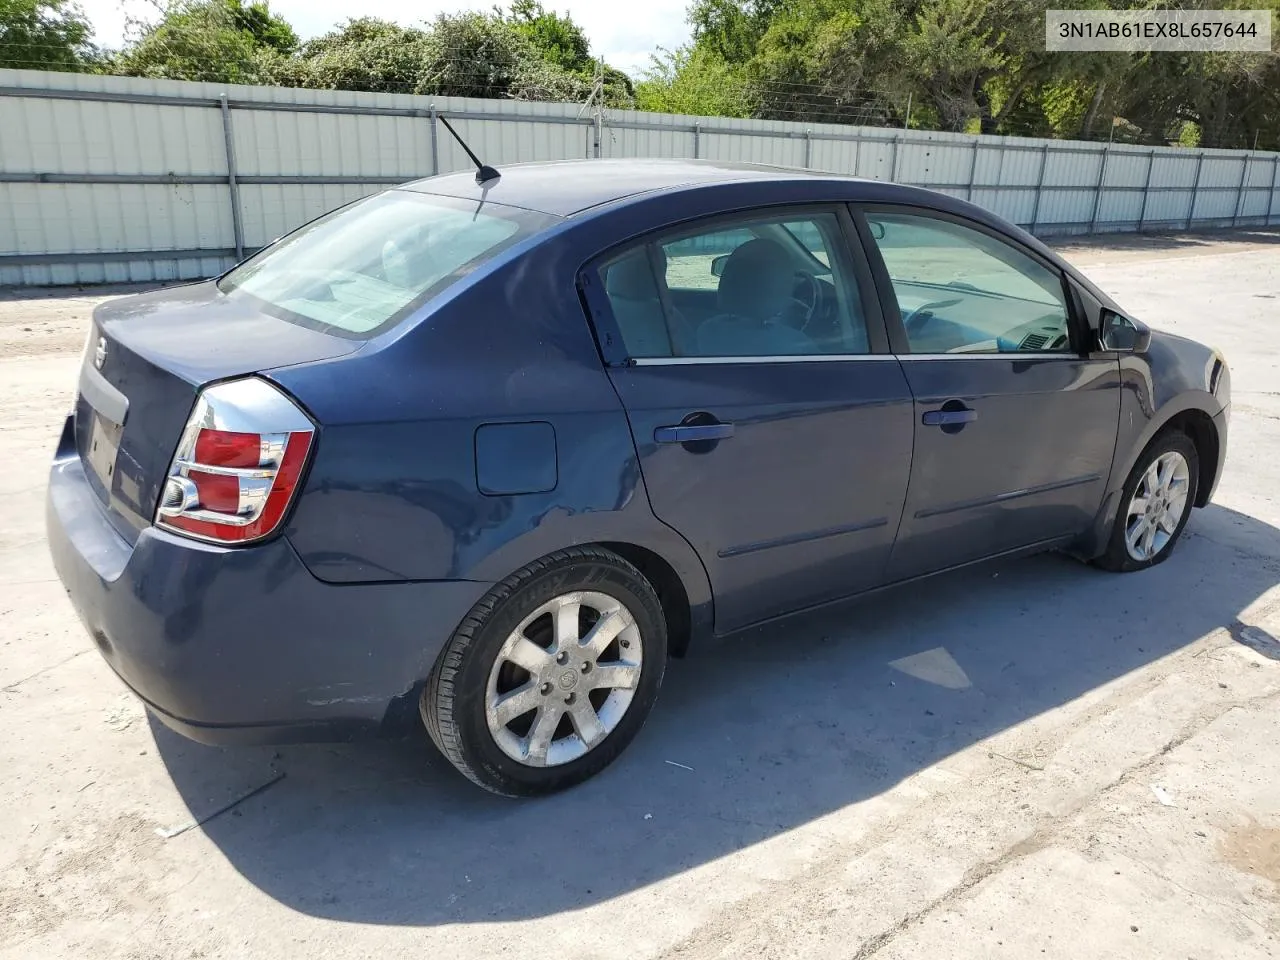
[367,266]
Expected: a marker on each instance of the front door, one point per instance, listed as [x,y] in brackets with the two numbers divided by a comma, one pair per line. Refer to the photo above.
[1015,426]
[769,434]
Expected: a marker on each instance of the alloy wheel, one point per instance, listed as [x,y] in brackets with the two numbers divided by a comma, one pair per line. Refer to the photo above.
[1157,506]
[564,679]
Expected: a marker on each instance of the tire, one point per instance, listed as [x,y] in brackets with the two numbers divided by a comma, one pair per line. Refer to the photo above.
[1121,555]
[477,674]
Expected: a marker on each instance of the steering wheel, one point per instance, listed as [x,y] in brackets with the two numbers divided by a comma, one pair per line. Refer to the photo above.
[918,319]
[804,303]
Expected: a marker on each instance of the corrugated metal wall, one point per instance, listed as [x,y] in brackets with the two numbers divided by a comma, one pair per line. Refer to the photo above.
[117,178]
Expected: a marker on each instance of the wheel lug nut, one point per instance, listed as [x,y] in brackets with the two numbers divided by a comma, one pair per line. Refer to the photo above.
[570,699]
[562,657]
[545,689]
[586,667]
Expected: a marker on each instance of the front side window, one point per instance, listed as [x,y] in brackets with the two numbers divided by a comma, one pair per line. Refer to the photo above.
[364,267]
[758,286]
[960,290]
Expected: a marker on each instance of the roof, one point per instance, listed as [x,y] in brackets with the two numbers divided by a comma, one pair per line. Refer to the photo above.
[565,187]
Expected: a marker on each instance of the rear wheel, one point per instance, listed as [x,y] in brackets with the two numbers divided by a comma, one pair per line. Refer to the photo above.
[1155,504]
[550,675]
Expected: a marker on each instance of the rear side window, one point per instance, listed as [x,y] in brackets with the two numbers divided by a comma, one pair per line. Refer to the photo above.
[362,268]
[754,286]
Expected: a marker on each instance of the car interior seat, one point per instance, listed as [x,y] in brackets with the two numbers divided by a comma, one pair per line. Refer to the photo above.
[647,330]
[754,294]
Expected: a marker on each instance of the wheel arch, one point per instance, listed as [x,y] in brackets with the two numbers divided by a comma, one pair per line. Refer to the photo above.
[671,591]
[657,551]
[1190,416]
[1199,426]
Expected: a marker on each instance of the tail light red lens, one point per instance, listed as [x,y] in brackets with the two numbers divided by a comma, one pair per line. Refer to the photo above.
[222,448]
[238,464]
[219,492]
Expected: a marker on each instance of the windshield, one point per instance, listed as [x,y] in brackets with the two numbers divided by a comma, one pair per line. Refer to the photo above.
[368,265]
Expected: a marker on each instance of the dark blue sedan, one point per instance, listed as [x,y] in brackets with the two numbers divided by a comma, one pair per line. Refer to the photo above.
[489,453]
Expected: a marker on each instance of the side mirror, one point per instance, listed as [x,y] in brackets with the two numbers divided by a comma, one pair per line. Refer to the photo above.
[717,265]
[877,229]
[1117,332]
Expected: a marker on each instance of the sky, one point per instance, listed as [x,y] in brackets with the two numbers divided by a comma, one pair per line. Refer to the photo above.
[623,33]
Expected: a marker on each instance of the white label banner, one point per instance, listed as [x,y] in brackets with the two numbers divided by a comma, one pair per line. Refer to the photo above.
[1157,30]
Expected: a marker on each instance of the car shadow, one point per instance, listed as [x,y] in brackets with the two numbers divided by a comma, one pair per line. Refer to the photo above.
[753,736]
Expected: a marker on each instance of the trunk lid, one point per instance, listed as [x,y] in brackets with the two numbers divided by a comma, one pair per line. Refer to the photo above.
[144,363]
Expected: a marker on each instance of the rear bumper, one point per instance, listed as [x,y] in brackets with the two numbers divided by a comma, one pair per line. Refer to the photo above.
[245,645]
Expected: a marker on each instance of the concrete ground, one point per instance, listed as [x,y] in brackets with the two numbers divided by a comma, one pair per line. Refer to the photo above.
[1034,759]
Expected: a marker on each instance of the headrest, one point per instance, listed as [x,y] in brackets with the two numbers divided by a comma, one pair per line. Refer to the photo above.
[757,280]
[631,277]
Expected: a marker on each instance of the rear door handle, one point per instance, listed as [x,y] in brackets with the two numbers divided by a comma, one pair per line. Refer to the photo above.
[948,418]
[692,432]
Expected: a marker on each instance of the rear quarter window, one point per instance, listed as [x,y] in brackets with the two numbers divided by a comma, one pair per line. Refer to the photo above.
[365,267]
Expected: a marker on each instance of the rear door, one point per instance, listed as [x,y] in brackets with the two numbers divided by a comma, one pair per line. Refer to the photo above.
[1015,421]
[774,428]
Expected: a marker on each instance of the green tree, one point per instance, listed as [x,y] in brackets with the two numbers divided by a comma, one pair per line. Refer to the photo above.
[364,54]
[832,60]
[693,80]
[214,40]
[557,38]
[44,35]
[731,29]
[966,65]
[266,28]
[461,55]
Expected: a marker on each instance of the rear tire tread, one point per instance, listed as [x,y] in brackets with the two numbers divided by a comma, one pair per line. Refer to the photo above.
[439,694]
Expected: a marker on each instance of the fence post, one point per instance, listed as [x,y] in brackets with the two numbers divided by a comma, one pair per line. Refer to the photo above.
[973,169]
[893,162]
[1146,190]
[599,118]
[435,145]
[1102,180]
[237,225]
[1271,197]
[1195,189]
[1240,187]
[808,148]
[1035,207]
[697,136]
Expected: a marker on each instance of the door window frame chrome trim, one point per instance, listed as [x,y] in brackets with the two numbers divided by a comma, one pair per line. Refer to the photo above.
[787,358]
[855,357]
[995,355]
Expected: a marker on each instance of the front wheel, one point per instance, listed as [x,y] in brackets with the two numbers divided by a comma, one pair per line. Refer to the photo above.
[551,675]
[1155,505]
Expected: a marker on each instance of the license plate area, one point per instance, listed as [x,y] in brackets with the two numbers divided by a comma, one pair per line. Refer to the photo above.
[102,447]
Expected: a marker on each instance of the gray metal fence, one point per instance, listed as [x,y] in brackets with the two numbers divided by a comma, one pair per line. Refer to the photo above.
[117,178]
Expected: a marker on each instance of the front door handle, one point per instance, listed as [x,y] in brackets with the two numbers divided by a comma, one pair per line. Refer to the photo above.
[948,418]
[693,432]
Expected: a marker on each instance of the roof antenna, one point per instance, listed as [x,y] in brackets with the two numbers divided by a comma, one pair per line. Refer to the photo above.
[484,172]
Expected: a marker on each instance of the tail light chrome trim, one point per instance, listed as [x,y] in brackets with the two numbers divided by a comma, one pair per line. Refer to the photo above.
[241,421]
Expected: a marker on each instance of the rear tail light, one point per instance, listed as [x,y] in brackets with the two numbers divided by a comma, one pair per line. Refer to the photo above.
[238,464]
